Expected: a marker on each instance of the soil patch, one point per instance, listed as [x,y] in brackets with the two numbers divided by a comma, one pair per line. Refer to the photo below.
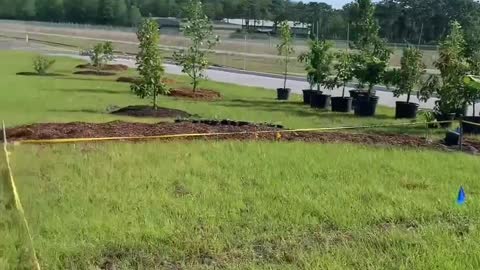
[95,73]
[242,132]
[199,94]
[113,67]
[148,111]
[36,74]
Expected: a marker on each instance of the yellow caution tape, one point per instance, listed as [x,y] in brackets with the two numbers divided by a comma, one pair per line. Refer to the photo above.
[17,202]
[471,123]
[192,135]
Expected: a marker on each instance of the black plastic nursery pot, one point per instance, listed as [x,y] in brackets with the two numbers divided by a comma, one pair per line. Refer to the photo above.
[319,100]
[355,94]
[342,104]
[306,96]
[313,98]
[452,138]
[445,117]
[283,93]
[471,128]
[406,110]
[366,105]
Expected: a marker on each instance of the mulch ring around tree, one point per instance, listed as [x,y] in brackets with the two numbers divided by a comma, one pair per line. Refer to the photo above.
[111,67]
[199,94]
[95,73]
[243,132]
[148,111]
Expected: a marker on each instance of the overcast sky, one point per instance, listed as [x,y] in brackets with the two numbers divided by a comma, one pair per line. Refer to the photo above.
[334,3]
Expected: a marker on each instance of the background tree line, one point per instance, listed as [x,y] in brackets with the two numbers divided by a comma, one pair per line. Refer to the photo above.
[413,21]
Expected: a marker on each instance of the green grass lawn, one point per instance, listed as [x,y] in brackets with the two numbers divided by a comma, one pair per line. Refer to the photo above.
[233,205]
[33,99]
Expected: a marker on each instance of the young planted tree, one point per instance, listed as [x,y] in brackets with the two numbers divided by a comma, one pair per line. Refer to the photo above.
[406,79]
[42,64]
[149,63]
[370,64]
[344,74]
[285,49]
[100,55]
[199,29]
[318,66]
[453,67]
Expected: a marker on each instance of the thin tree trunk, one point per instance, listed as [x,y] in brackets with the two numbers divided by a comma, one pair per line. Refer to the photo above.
[343,91]
[154,100]
[286,72]
[408,97]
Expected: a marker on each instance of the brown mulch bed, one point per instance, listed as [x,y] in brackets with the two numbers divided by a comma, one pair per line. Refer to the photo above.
[95,73]
[113,67]
[246,132]
[148,111]
[199,94]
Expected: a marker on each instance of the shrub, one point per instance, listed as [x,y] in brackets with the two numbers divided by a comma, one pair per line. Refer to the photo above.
[42,64]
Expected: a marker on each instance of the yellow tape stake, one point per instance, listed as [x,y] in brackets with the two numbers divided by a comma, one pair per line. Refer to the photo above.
[195,135]
[18,203]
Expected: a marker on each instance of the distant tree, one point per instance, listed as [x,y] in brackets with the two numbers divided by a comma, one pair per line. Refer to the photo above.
[106,11]
[121,13]
[199,29]
[134,16]
[149,63]
[26,9]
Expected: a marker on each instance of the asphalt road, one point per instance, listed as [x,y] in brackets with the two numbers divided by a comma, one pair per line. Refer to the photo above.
[267,81]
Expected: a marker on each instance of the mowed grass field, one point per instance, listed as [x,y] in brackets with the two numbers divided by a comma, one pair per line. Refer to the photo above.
[233,205]
[224,205]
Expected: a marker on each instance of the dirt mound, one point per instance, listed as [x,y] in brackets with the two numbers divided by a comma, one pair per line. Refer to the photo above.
[241,132]
[199,94]
[95,73]
[148,111]
[113,67]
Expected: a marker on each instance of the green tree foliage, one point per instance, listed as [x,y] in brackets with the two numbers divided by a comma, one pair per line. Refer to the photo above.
[134,16]
[198,28]
[149,63]
[42,64]
[372,60]
[453,67]
[409,76]
[344,71]
[285,48]
[100,54]
[318,62]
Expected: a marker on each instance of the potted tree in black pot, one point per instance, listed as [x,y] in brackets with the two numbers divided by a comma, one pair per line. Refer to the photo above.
[405,80]
[473,95]
[318,65]
[449,85]
[285,49]
[370,64]
[344,74]
[370,70]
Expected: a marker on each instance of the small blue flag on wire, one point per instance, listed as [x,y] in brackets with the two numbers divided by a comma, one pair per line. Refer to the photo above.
[462,197]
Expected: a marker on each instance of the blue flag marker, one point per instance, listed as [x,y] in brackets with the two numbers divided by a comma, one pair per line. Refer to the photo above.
[462,197]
